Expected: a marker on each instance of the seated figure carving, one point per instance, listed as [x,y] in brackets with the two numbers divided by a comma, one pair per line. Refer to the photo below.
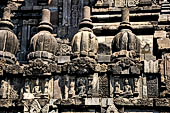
[127,89]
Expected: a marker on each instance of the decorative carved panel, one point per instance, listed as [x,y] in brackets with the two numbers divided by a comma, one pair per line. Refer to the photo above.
[124,86]
[152,86]
[103,85]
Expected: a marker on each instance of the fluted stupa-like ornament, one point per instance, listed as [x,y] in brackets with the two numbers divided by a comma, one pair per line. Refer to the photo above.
[44,40]
[84,43]
[8,40]
[125,39]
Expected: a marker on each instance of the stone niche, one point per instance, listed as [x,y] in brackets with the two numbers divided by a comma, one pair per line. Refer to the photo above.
[124,86]
[35,88]
[11,88]
[67,87]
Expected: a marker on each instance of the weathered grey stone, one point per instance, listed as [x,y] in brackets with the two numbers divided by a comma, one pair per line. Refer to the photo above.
[63,59]
[152,86]
[151,66]
[85,43]
[144,88]
[104,58]
[147,57]
[92,101]
[109,101]
[163,43]
[125,15]
[160,34]
[104,102]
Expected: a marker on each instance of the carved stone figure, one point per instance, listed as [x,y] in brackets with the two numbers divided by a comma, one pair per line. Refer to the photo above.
[85,43]
[72,89]
[46,85]
[127,89]
[82,87]
[90,87]
[37,88]
[4,88]
[27,88]
[117,89]
[66,87]
[125,39]
[136,89]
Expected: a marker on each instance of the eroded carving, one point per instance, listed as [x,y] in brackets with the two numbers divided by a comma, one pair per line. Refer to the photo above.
[85,43]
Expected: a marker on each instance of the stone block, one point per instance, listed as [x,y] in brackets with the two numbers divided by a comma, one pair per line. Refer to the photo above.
[101,39]
[104,49]
[162,102]
[131,3]
[104,102]
[92,101]
[163,43]
[110,101]
[103,68]
[146,44]
[134,70]
[119,3]
[151,66]
[63,59]
[103,58]
[145,91]
[95,101]
[28,96]
[162,18]
[108,40]
[160,34]
[37,7]
[27,8]
[125,71]
[145,2]
[149,57]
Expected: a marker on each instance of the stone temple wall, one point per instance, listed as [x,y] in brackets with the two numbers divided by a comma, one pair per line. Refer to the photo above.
[89,56]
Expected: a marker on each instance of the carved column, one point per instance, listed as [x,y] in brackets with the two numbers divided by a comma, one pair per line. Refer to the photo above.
[125,15]
[24,40]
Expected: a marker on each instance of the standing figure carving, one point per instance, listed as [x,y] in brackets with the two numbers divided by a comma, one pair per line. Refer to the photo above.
[37,88]
[27,86]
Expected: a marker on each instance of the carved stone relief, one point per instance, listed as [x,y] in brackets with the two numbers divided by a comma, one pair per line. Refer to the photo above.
[124,87]
[4,88]
[38,88]
[81,85]
[152,86]
[103,85]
